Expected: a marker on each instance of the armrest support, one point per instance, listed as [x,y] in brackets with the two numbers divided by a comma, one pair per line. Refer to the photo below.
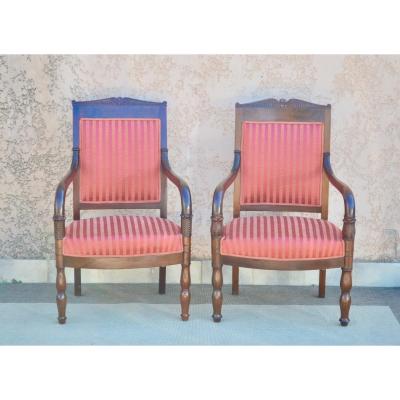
[218,200]
[61,191]
[348,198]
[217,206]
[186,198]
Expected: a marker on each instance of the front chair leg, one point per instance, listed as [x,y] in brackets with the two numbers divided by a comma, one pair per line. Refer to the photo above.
[185,291]
[161,280]
[61,282]
[77,282]
[217,280]
[345,298]
[61,286]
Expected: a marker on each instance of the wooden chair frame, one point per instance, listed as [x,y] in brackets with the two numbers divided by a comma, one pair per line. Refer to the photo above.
[121,108]
[292,110]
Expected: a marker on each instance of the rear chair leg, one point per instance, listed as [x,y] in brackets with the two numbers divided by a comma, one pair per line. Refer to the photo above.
[162,273]
[322,283]
[235,280]
[77,282]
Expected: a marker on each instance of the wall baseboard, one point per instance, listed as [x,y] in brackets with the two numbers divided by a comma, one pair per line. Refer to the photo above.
[365,274]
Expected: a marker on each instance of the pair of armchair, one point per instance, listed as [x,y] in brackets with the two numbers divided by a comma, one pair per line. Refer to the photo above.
[281,163]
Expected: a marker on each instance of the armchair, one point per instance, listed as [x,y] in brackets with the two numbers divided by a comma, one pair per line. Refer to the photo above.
[282,164]
[120,161]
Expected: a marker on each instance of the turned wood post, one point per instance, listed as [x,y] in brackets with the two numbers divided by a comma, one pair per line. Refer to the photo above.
[61,282]
[77,271]
[235,280]
[186,224]
[217,278]
[346,278]
[322,283]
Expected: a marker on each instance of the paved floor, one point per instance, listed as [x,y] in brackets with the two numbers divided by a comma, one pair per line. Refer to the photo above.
[110,293]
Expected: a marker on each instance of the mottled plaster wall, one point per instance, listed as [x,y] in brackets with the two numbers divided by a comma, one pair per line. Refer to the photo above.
[35,127]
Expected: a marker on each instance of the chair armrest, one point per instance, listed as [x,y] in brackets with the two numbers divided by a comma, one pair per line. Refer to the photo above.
[61,191]
[186,198]
[348,198]
[219,192]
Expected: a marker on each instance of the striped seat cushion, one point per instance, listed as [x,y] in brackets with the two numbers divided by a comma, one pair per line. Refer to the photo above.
[282,238]
[122,236]
[119,160]
[281,163]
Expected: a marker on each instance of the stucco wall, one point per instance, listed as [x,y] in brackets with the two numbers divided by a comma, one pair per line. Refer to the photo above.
[35,127]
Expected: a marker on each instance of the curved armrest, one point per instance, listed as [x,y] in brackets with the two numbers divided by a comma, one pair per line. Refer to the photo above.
[186,198]
[219,192]
[348,198]
[59,201]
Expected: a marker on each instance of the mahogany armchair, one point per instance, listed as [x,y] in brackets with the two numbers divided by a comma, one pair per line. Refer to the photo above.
[120,161]
[282,164]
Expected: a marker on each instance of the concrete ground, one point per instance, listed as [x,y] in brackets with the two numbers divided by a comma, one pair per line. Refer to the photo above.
[95,293]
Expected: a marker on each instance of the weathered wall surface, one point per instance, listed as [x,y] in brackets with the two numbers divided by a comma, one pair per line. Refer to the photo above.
[36,119]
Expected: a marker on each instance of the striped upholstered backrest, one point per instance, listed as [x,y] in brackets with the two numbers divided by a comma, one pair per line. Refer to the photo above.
[119,160]
[281,163]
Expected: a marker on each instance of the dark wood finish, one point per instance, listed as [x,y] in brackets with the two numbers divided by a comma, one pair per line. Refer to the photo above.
[185,279]
[147,109]
[284,265]
[277,208]
[162,276]
[145,261]
[77,271]
[322,283]
[216,234]
[235,279]
[77,282]
[291,111]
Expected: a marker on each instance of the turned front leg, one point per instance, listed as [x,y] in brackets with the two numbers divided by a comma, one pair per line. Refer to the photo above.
[217,280]
[345,297]
[185,292]
[61,284]
[346,284]
[185,274]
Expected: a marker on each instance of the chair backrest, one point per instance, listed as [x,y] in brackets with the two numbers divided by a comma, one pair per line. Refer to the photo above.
[282,145]
[119,141]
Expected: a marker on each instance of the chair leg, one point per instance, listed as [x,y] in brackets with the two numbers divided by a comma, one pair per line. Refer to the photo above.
[185,291]
[61,285]
[162,273]
[322,283]
[235,280]
[77,282]
[345,298]
[217,280]
[61,282]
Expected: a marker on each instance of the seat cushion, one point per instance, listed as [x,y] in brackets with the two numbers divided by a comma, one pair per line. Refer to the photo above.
[122,236]
[282,238]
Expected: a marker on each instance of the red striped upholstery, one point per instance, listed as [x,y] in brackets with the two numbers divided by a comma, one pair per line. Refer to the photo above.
[282,238]
[281,163]
[122,236]
[119,160]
